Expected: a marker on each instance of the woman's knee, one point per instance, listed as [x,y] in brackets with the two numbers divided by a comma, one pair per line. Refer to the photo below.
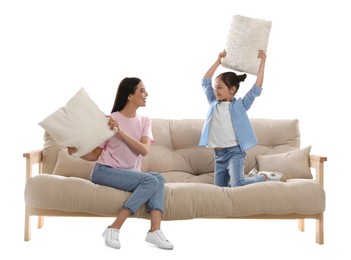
[151,181]
[159,177]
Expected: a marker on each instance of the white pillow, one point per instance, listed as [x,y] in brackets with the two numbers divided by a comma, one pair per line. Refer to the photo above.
[246,36]
[293,164]
[80,123]
[71,166]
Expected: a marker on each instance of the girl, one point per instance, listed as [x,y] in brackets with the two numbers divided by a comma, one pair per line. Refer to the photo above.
[227,127]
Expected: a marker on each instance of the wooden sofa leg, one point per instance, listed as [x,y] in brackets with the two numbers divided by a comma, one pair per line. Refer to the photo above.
[40,221]
[320,229]
[27,224]
[301,223]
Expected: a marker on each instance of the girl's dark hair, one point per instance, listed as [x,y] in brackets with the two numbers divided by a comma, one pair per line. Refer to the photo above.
[125,88]
[230,79]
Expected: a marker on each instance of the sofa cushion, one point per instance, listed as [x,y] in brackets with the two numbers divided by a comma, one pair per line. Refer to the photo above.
[293,164]
[71,166]
[176,148]
[246,36]
[274,136]
[80,123]
[182,200]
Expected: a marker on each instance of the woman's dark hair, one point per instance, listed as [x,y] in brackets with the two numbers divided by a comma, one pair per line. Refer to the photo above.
[125,88]
[230,79]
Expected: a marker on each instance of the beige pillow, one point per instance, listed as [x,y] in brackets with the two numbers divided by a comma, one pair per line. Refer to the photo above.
[246,36]
[80,123]
[294,164]
[71,166]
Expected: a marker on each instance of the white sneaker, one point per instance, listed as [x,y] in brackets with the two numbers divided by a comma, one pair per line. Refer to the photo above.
[157,238]
[111,236]
[273,176]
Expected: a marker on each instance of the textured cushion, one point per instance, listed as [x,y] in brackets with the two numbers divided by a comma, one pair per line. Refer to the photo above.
[176,149]
[80,123]
[293,164]
[70,166]
[246,36]
[182,200]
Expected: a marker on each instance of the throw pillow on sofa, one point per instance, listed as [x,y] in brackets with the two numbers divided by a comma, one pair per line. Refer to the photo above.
[293,164]
[80,123]
[246,36]
[71,166]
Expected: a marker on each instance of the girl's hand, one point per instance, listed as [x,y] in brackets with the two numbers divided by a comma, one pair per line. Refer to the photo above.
[221,55]
[261,55]
[71,150]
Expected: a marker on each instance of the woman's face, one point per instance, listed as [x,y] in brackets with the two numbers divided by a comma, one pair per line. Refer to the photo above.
[139,97]
[222,92]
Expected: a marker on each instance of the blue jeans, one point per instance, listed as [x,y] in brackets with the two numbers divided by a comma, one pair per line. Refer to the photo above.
[229,168]
[145,187]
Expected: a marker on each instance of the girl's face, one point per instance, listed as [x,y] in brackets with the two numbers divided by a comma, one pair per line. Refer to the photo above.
[139,97]
[222,92]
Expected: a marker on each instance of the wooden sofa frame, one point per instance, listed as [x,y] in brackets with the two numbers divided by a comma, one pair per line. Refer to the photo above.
[34,158]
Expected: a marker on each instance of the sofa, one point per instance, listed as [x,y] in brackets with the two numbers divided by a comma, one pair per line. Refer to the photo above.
[59,185]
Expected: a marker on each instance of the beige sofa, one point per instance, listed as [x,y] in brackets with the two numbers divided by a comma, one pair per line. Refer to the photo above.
[63,188]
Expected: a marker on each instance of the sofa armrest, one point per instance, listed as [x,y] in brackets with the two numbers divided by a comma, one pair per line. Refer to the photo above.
[317,163]
[33,158]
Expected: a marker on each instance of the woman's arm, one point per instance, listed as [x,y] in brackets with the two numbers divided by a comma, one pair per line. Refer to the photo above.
[213,68]
[140,147]
[259,80]
[92,156]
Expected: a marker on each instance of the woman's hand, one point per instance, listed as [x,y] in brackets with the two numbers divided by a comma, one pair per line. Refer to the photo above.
[71,150]
[113,124]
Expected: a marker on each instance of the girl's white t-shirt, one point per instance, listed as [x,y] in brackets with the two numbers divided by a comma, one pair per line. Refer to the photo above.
[221,130]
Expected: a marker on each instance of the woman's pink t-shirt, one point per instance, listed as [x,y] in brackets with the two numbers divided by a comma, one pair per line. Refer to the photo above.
[116,153]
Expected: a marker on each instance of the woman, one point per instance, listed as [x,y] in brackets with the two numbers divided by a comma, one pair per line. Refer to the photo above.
[119,163]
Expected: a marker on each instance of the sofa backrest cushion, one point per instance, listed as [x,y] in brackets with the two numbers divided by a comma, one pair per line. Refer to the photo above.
[176,149]
[176,144]
[274,136]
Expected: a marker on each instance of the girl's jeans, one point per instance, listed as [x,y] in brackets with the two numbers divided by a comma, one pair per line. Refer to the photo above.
[229,168]
[145,187]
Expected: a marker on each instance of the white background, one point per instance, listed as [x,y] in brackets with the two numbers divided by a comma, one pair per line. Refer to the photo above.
[50,49]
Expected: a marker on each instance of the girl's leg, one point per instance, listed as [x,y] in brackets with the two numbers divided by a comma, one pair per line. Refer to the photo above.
[236,166]
[221,176]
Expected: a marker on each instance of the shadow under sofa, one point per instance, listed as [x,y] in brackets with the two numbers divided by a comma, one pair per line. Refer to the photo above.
[62,186]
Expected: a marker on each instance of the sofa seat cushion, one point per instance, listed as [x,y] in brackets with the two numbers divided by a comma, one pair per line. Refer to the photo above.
[180,176]
[182,200]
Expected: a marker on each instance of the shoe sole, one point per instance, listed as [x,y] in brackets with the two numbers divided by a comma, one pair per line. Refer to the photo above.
[167,248]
